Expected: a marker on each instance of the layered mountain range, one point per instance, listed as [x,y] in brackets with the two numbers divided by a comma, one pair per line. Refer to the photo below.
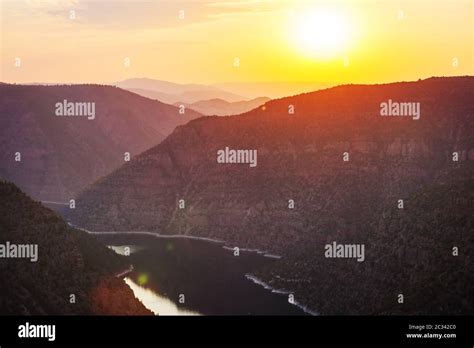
[205,99]
[220,107]
[60,155]
[170,93]
[71,274]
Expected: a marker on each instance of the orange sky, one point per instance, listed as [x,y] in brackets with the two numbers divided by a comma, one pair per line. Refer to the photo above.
[274,41]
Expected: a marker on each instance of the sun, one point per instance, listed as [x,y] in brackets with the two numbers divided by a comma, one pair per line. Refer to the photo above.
[321,33]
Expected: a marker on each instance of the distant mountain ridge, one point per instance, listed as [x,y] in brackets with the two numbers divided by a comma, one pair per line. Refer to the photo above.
[273,90]
[301,158]
[221,107]
[170,93]
[62,155]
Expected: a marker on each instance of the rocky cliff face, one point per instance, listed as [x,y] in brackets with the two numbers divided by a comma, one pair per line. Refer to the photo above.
[301,158]
[61,155]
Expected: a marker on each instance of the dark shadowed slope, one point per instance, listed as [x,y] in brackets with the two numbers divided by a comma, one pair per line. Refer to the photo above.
[69,262]
[409,252]
[300,157]
[62,155]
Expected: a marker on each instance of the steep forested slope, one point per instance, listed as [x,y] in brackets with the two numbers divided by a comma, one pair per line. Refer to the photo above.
[70,262]
[60,155]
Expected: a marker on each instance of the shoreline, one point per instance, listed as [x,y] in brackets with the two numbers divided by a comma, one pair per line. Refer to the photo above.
[148,233]
[258,251]
[266,286]
[124,272]
[158,235]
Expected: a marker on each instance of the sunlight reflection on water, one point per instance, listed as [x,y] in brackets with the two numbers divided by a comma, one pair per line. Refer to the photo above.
[156,303]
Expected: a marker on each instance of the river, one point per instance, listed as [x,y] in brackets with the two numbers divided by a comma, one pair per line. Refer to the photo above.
[185,276]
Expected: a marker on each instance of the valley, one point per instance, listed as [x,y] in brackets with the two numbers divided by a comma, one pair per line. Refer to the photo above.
[351,202]
[331,171]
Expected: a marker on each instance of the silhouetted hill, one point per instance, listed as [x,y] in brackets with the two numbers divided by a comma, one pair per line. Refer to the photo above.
[61,155]
[221,107]
[300,157]
[69,261]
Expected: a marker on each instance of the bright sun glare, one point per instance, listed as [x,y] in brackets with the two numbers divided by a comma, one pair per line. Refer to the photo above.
[321,33]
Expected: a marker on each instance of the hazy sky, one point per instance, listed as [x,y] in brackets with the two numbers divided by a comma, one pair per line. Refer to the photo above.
[204,41]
